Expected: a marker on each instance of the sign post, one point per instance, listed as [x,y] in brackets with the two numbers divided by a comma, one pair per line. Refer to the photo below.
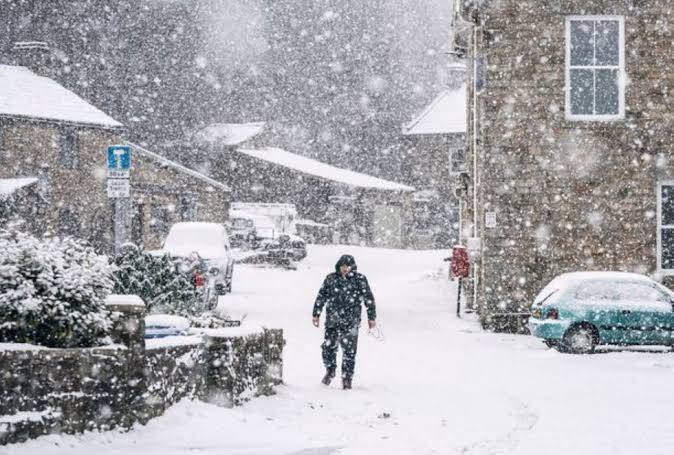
[119,189]
[460,268]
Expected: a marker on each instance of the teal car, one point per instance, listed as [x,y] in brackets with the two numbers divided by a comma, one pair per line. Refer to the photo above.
[577,311]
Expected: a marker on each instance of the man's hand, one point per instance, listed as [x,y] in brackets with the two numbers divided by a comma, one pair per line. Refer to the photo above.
[316,321]
[371,323]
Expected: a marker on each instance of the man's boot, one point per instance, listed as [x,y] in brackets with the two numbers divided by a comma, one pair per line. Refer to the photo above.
[329,374]
[346,383]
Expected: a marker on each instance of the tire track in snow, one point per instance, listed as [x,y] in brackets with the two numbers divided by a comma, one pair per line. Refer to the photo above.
[525,421]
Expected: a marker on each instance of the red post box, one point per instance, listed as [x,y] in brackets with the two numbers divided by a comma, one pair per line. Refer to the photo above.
[460,262]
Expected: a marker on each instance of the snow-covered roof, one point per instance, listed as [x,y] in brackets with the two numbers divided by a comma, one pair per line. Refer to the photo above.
[445,115]
[24,94]
[178,167]
[9,186]
[228,133]
[306,222]
[322,170]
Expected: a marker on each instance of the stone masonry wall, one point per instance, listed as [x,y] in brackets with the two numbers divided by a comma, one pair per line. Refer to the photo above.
[73,390]
[568,195]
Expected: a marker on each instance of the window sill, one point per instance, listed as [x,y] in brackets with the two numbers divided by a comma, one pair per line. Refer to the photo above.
[595,118]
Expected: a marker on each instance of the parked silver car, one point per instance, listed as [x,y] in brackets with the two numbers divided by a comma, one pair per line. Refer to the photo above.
[210,242]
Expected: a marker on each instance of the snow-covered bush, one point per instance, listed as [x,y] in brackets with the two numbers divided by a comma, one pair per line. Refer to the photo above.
[158,280]
[52,291]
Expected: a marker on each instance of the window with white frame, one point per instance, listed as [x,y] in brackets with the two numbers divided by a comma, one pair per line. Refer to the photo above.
[666,227]
[595,67]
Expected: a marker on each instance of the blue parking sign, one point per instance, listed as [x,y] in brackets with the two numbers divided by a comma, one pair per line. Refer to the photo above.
[119,157]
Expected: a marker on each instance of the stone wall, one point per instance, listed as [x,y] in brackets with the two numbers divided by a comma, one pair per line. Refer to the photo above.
[568,195]
[73,390]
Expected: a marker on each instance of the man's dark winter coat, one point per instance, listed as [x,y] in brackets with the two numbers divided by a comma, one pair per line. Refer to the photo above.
[343,296]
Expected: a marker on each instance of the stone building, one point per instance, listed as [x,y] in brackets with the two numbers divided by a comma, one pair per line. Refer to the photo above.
[570,159]
[434,156]
[53,169]
[361,209]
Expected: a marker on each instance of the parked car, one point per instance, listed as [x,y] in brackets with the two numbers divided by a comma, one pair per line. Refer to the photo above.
[577,311]
[164,325]
[242,232]
[294,245]
[214,265]
[314,232]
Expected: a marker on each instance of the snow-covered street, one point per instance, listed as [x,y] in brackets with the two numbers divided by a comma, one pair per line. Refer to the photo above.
[434,384]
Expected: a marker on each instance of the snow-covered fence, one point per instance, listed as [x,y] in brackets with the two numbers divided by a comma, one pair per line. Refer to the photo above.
[46,390]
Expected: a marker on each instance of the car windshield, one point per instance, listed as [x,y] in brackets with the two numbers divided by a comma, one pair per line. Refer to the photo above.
[545,297]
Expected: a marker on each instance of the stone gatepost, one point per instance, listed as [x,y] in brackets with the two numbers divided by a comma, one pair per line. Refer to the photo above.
[128,315]
[129,321]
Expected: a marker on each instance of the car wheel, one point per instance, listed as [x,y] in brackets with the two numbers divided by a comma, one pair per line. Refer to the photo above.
[580,339]
[551,343]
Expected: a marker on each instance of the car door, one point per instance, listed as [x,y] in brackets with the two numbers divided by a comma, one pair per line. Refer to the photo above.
[645,312]
[595,302]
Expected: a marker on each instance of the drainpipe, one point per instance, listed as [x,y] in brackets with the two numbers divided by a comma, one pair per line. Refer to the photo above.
[475,174]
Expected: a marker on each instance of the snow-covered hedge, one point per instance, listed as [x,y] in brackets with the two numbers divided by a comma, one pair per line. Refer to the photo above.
[158,280]
[52,291]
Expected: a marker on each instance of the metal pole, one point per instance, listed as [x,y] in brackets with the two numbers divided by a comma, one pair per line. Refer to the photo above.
[121,222]
[458,299]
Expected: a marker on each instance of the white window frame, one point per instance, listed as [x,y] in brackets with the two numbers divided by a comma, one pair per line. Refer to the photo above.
[660,227]
[622,77]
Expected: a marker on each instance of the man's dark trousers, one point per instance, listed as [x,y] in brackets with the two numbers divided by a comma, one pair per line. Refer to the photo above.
[347,337]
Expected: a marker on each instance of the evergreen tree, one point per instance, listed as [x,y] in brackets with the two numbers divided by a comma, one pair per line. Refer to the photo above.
[159,280]
[52,292]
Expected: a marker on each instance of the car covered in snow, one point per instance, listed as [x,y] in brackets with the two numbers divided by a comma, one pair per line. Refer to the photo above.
[205,247]
[164,325]
[293,245]
[242,231]
[577,311]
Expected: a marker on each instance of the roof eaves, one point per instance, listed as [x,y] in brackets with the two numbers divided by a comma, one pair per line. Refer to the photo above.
[26,118]
[387,185]
[179,167]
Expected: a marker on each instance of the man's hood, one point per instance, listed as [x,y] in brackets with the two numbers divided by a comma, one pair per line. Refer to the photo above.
[346,259]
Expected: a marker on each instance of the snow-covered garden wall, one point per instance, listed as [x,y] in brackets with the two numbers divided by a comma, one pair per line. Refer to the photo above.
[45,390]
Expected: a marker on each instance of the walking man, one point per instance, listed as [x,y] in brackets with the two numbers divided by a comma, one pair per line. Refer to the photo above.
[343,292]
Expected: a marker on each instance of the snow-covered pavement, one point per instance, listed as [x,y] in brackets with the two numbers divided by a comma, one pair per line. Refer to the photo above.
[434,384]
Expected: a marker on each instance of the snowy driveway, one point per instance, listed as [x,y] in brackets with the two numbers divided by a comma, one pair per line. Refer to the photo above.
[433,385]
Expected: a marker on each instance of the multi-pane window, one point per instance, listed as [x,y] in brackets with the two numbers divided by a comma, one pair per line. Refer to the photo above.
[595,67]
[666,227]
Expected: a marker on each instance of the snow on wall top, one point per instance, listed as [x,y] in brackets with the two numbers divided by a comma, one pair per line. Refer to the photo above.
[322,170]
[24,94]
[445,115]
[9,186]
[228,133]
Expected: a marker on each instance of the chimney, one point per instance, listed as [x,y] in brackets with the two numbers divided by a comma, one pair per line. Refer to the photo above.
[35,55]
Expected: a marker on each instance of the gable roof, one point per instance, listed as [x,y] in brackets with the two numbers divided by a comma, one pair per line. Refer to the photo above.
[178,167]
[10,186]
[228,133]
[445,115]
[322,170]
[24,94]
